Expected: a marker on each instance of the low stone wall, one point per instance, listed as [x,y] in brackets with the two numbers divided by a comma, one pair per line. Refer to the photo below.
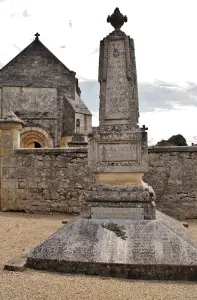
[44,180]
[173,175]
[54,180]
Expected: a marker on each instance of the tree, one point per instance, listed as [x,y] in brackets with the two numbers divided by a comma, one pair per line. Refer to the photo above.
[177,140]
[174,140]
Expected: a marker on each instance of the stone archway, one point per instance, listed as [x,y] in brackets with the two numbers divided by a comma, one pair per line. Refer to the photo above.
[35,137]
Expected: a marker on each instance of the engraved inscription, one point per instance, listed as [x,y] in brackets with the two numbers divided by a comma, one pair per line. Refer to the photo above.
[116,52]
[117,152]
[113,247]
[143,243]
[118,88]
[128,58]
[117,213]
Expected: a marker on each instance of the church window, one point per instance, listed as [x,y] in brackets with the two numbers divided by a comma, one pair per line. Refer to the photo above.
[77,125]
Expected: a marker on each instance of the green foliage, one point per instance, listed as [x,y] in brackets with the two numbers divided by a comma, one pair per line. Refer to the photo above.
[177,140]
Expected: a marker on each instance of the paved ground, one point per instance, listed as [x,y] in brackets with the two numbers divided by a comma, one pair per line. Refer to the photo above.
[19,232]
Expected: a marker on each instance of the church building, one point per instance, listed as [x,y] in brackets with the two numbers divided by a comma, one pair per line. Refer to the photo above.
[39,89]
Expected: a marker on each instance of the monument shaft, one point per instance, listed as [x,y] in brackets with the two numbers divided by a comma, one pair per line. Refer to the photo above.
[118,80]
[118,149]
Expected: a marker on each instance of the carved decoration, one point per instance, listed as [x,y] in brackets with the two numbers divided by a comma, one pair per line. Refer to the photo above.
[128,58]
[105,59]
[117,19]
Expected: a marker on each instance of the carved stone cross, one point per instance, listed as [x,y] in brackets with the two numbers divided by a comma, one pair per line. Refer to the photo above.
[144,128]
[37,35]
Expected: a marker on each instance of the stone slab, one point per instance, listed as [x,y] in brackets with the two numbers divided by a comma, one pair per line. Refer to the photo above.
[17,264]
[117,213]
[148,249]
[118,193]
[111,152]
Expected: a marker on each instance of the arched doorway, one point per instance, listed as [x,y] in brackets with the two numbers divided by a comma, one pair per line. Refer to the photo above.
[35,137]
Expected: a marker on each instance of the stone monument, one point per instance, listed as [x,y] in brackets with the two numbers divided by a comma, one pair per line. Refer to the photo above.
[119,234]
[118,150]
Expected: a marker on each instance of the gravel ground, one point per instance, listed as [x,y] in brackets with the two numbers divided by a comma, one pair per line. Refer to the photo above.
[19,232]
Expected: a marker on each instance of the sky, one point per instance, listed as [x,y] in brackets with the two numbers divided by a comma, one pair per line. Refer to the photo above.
[164,32]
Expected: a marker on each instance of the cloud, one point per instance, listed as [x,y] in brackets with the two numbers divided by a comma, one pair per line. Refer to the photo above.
[166,108]
[25,14]
[166,95]
[155,96]
[13,15]
[70,24]
[96,50]
[18,48]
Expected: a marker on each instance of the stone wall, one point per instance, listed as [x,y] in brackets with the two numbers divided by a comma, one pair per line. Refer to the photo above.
[35,106]
[44,180]
[54,180]
[173,175]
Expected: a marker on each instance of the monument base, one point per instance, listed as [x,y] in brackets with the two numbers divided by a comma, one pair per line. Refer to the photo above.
[131,202]
[145,249]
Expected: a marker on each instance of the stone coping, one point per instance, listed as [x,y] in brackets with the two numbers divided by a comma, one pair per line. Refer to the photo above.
[11,121]
[172,149]
[85,150]
[49,150]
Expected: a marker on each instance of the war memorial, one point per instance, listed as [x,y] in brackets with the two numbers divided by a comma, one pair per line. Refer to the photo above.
[119,233]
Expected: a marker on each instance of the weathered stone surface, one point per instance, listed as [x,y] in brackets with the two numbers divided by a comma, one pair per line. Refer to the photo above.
[16,264]
[45,180]
[154,249]
[172,174]
[167,169]
[118,148]
[103,212]
[118,193]
[118,80]
[78,140]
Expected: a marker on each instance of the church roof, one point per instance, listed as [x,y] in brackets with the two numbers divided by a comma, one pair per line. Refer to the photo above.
[78,105]
[36,42]
[37,66]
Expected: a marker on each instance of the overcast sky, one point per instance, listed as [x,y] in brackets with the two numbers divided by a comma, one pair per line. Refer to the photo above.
[164,32]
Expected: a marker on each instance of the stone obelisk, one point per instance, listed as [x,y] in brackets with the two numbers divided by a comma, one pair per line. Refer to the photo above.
[120,234]
[118,151]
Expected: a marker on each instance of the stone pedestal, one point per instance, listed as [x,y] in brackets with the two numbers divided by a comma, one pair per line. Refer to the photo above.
[130,202]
